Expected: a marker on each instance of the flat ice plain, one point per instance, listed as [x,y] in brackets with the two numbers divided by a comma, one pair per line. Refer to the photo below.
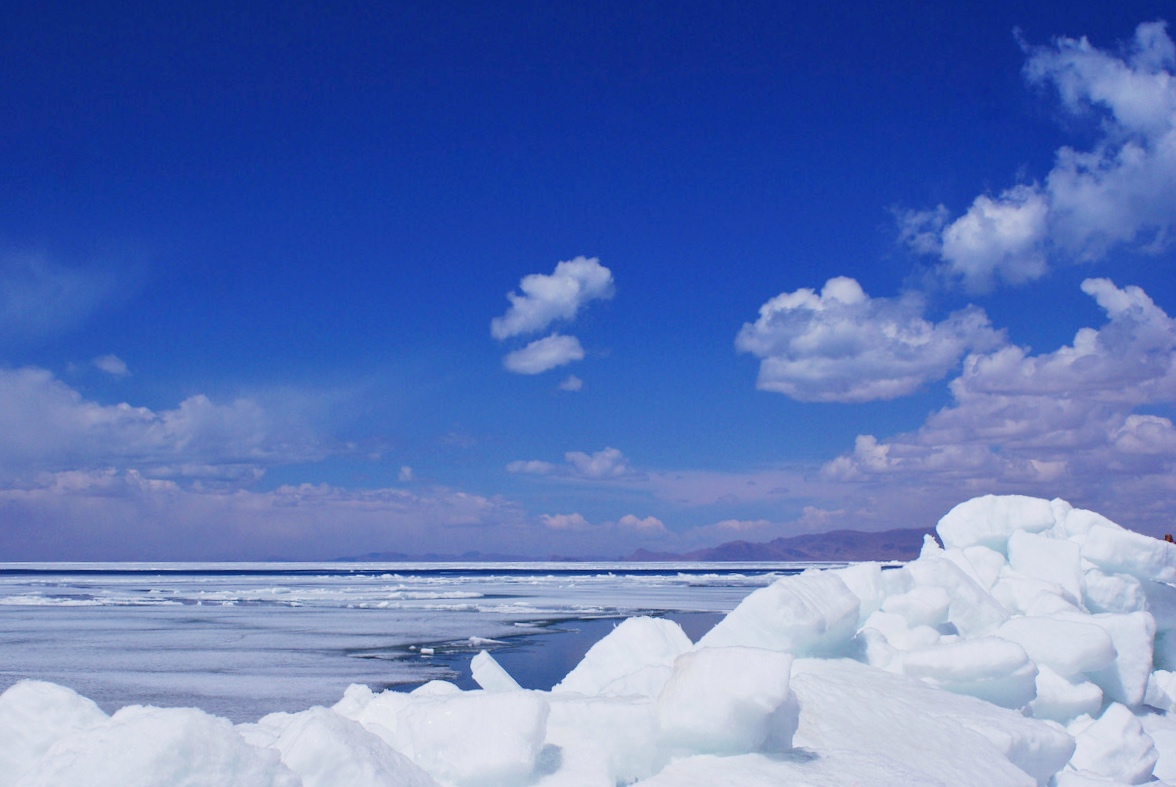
[242,640]
[1036,646]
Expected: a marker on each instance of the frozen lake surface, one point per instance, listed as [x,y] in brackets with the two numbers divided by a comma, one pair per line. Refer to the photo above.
[242,640]
[1032,644]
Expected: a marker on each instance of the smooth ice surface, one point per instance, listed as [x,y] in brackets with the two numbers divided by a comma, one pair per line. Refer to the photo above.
[1061,699]
[1133,634]
[1068,647]
[1115,746]
[814,612]
[990,668]
[1047,559]
[845,705]
[143,747]
[606,741]
[467,738]
[973,611]
[490,675]
[836,768]
[636,645]
[1035,649]
[1161,728]
[722,700]
[327,750]
[34,715]
[990,520]
[1125,552]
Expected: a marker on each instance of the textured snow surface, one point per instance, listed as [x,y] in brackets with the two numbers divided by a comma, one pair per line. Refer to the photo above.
[1036,646]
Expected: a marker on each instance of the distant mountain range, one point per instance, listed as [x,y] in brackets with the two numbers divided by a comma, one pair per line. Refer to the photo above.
[834,546]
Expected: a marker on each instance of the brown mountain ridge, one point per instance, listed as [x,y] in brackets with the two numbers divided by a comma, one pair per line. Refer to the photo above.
[835,546]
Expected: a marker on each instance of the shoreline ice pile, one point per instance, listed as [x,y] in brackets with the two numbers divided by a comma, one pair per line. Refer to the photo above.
[1036,646]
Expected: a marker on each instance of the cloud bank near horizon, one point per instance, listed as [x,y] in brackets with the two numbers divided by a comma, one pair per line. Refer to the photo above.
[91,515]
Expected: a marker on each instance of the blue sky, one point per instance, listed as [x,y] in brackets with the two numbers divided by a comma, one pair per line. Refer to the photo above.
[304,281]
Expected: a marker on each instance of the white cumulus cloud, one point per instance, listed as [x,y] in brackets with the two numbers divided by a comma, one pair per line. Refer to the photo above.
[1001,237]
[546,299]
[1129,360]
[649,525]
[1065,419]
[628,525]
[608,463]
[742,525]
[840,345]
[564,521]
[1120,191]
[558,296]
[543,354]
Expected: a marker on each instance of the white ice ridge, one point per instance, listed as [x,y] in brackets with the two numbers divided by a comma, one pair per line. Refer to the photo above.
[1036,646]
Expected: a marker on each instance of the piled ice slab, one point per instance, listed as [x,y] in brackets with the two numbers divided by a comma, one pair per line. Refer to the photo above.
[1036,645]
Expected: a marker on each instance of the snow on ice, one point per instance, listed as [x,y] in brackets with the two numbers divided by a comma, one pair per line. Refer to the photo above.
[1036,646]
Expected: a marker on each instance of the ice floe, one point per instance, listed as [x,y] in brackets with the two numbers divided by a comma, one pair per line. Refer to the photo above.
[1033,644]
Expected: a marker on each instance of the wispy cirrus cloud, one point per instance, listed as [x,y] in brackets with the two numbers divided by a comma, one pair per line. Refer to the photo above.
[840,345]
[1122,190]
[546,299]
[531,467]
[40,297]
[112,365]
